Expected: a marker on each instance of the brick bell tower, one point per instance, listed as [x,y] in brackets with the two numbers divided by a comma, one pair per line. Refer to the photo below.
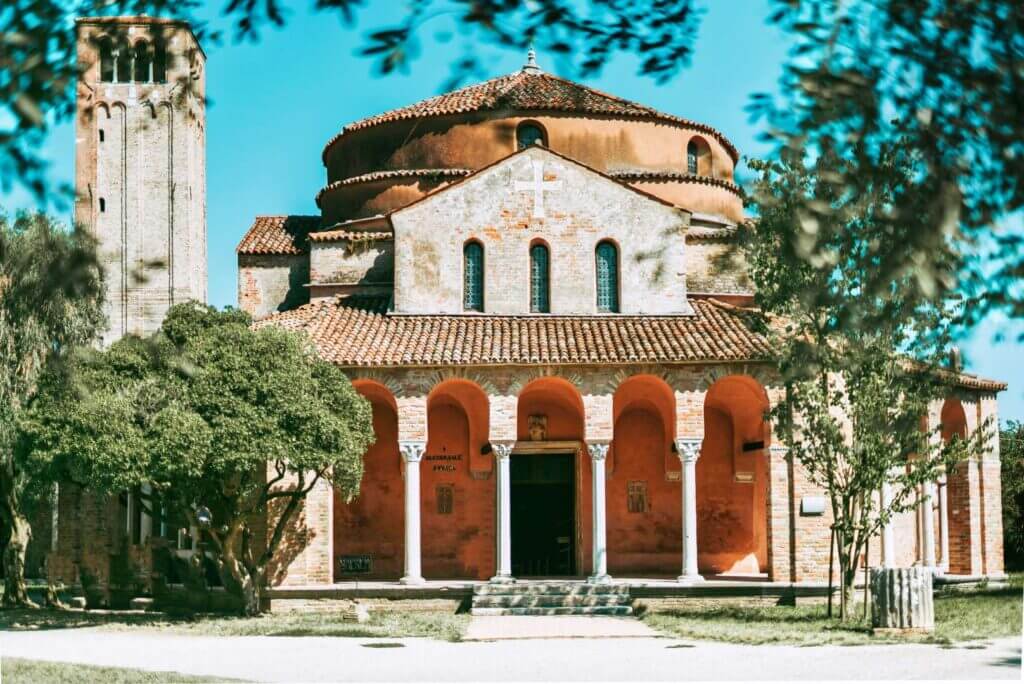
[140,164]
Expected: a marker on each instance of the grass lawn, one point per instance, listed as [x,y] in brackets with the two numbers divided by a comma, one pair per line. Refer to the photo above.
[958,617]
[19,671]
[393,622]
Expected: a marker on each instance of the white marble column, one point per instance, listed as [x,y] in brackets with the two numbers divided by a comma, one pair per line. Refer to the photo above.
[412,454]
[689,452]
[503,458]
[943,524]
[928,525]
[598,454]
[888,546]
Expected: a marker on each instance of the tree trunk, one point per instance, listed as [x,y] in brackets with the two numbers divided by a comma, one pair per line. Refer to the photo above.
[18,532]
[244,583]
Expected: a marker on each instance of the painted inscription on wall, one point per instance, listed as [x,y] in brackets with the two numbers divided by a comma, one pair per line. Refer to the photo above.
[443,463]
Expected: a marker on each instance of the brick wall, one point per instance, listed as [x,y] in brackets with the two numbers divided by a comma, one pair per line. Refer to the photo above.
[269,283]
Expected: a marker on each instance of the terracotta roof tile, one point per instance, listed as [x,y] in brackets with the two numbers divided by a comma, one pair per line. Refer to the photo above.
[530,91]
[278,235]
[354,336]
[376,176]
[633,176]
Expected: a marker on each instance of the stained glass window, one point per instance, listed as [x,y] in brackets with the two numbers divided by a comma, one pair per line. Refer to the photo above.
[691,158]
[540,298]
[529,134]
[473,277]
[607,278]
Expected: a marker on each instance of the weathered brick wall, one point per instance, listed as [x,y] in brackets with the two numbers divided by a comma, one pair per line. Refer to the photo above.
[140,176]
[269,283]
[366,264]
[990,505]
[430,236]
[715,267]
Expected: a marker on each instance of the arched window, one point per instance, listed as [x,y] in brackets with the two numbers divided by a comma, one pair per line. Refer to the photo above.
[473,277]
[698,157]
[141,63]
[540,292]
[106,60]
[122,64]
[529,134]
[691,158]
[607,278]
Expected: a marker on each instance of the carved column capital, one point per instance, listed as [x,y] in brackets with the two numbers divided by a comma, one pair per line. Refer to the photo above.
[688,449]
[502,450]
[412,450]
[598,450]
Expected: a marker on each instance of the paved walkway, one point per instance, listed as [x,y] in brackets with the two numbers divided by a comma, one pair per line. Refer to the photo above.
[494,628]
[352,659]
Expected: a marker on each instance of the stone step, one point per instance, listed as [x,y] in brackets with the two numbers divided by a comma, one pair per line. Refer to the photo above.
[531,588]
[619,611]
[550,600]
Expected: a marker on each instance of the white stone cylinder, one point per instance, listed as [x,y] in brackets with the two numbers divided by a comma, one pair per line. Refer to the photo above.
[901,599]
[943,525]
[928,525]
[888,544]
[598,454]
[412,454]
[503,458]
[689,452]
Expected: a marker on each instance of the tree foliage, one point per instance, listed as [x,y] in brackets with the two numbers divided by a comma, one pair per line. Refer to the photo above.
[213,415]
[38,69]
[860,372]
[51,293]
[947,78]
[1011,450]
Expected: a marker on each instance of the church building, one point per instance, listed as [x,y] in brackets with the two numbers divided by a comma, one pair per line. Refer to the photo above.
[531,282]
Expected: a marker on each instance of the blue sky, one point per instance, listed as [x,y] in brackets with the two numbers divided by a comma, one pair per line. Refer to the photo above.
[275,104]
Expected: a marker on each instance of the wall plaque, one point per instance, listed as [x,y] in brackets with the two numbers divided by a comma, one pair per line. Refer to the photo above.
[812,505]
[355,565]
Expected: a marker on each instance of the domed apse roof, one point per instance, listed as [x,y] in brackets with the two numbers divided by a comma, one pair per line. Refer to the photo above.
[530,89]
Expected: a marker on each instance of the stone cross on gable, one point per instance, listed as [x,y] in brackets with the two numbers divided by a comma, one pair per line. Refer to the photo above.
[538,186]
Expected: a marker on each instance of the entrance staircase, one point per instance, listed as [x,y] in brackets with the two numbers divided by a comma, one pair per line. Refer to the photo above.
[552,598]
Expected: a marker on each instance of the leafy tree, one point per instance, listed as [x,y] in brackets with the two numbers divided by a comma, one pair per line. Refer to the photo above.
[229,426]
[1011,450]
[51,293]
[855,400]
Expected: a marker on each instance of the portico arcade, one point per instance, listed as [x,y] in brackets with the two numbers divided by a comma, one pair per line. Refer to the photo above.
[653,473]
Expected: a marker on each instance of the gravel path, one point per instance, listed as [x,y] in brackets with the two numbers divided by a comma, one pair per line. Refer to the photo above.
[354,659]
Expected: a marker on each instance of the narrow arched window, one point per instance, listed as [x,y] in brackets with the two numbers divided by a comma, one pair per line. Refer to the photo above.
[607,278]
[473,277]
[106,60]
[698,157]
[540,292]
[529,134]
[691,158]
[141,65]
[123,64]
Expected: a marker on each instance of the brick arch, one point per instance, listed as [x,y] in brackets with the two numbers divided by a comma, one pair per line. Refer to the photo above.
[456,498]
[731,478]
[953,420]
[644,507]
[559,400]
[373,522]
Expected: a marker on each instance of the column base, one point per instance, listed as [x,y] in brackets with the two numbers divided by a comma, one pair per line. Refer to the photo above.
[412,580]
[690,579]
[599,579]
[502,579]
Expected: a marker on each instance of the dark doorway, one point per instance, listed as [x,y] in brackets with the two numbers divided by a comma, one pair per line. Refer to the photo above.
[543,515]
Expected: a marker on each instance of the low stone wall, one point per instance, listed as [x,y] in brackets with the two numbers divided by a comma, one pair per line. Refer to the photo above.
[339,605]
